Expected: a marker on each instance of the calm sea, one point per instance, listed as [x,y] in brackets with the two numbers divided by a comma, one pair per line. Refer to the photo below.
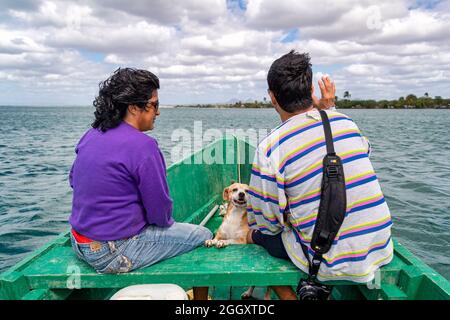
[411,156]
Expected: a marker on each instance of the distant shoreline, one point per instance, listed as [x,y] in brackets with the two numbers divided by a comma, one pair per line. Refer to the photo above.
[410,102]
[231,107]
[195,107]
[337,106]
[56,106]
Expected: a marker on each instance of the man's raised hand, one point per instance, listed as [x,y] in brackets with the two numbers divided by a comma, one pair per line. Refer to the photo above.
[328,94]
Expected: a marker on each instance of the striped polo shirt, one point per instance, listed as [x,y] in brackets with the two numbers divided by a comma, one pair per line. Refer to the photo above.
[284,196]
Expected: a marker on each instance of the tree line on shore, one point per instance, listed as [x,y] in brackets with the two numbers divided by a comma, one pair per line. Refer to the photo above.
[411,101]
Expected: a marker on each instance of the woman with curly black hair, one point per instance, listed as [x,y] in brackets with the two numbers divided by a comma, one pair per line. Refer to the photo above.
[122,211]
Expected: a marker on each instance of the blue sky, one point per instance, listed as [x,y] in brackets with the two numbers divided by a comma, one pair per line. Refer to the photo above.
[211,51]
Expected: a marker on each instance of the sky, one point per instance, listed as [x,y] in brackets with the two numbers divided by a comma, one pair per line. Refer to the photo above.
[213,51]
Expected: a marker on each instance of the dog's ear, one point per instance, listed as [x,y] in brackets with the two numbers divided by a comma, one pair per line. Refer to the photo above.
[232,182]
[226,194]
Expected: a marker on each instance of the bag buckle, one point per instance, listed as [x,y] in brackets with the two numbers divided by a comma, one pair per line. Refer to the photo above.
[315,265]
[332,171]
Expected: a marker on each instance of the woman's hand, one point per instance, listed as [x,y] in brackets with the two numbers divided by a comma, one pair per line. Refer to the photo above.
[328,93]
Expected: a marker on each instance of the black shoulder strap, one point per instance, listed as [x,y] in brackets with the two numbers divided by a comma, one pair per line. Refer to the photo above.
[333,203]
[328,134]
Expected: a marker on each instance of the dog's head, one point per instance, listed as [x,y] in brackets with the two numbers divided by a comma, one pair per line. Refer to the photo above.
[236,194]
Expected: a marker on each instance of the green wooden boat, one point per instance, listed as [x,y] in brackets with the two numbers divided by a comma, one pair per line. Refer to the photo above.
[196,185]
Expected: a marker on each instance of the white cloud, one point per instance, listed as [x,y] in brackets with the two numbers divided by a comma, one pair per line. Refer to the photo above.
[126,39]
[16,42]
[206,53]
[418,26]
[285,14]
[57,14]
[164,11]
[115,59]
[362,70]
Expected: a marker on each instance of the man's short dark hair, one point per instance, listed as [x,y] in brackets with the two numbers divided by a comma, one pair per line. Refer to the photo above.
[290,80]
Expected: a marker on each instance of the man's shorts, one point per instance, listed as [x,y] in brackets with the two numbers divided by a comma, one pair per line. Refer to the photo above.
[273,244]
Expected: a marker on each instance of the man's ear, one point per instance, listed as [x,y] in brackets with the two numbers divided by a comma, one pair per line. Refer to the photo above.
[226,194]
[273,99]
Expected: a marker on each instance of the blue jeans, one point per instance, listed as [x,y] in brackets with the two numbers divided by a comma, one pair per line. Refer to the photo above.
[152,245]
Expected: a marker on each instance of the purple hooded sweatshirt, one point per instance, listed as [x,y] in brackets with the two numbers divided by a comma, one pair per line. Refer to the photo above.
[119,184]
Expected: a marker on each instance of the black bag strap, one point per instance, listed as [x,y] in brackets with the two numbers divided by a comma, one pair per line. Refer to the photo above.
[314,264]
[332,206]
[328,134]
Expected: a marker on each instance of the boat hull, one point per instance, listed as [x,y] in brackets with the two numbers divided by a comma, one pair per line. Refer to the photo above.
[196,185]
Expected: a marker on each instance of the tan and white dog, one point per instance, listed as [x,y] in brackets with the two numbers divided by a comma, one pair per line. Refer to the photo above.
[234,227]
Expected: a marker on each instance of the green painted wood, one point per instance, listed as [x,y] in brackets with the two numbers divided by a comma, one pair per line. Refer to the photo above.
[196,188]
[38,294]
[240,265]
[47,294]
[61,239]
[392,292]
[234,265]
[192,183]
[220,292]
[198,215]
[13,285]
[346,292]
[432,288]
[92,294]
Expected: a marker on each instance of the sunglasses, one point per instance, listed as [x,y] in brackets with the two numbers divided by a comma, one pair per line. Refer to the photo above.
[154,104]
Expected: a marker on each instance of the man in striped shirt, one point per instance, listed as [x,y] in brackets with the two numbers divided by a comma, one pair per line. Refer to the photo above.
[284,192]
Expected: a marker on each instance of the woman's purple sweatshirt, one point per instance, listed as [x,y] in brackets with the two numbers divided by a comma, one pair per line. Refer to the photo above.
[119,184]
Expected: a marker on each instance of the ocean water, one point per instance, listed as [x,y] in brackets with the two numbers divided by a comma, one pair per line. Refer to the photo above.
[411,156]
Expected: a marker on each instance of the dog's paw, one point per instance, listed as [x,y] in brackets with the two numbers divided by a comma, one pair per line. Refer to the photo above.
[210,243]
[221,244]
[222,210]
